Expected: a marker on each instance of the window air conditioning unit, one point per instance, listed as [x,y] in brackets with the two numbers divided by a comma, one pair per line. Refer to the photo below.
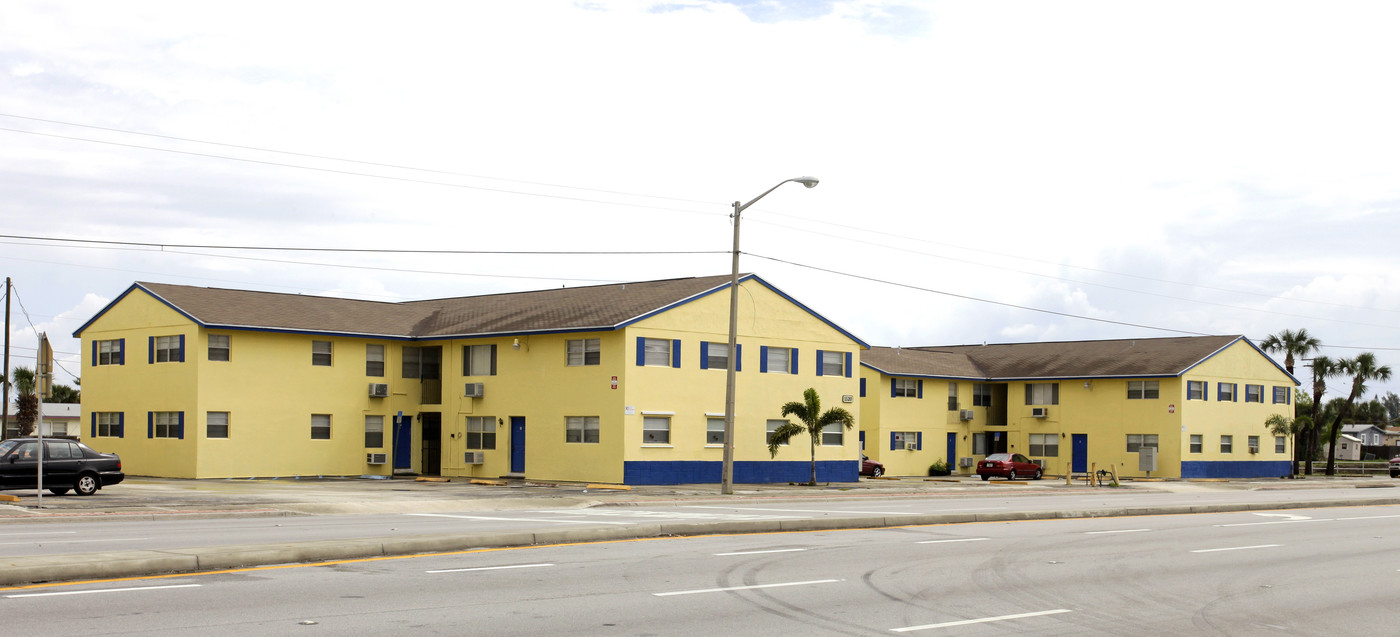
[475,390]
[379,390]
[1040,463]
[965,462]
[475,457]
[1253,449]
[1040,412]
[965,414]
[911,446]
[376,458]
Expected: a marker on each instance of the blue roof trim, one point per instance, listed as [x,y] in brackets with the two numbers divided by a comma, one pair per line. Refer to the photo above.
[742,279]
[134,286]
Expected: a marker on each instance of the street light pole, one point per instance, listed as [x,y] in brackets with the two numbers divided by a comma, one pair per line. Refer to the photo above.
[727,473]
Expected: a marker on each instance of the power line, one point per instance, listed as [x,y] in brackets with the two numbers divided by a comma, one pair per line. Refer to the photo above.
[169,246]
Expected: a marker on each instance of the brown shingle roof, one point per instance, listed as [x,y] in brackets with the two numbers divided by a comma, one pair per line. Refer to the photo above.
[564,309]
[1070,359]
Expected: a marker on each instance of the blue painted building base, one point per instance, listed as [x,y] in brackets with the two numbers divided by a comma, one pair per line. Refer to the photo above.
[745,472]
[1236,469]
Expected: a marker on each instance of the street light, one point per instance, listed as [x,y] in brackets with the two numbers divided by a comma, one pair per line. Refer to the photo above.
[727,473]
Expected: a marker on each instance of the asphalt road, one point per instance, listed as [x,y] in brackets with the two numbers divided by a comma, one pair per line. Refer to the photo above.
[1301,571]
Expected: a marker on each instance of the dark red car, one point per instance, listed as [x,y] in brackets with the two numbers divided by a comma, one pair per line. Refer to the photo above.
[870,468]
[1395,467]
[1009,466]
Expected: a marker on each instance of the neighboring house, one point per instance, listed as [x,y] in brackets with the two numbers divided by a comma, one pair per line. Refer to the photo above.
[613,383]
[1369,435]
[58,419]
[1199,402]
[1392,436]
[1348,447]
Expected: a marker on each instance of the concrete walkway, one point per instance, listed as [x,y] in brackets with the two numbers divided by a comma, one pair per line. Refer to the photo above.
[157,499]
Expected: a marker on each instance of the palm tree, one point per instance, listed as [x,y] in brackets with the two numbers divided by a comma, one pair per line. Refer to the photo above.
[813,421]
[1361,369]
[26,403]
[64,394]
[1281,425]
[1291,344]
[1322,368]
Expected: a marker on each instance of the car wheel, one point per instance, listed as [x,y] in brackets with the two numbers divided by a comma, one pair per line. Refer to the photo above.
[58,490]
[1038,473]
[86,484]
[986,477]
[877,472]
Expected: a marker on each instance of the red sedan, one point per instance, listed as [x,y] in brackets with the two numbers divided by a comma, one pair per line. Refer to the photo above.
[1009,466]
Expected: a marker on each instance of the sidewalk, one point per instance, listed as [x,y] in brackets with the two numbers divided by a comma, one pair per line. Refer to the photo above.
[165,499]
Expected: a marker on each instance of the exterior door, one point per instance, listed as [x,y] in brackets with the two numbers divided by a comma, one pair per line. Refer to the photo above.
[952,459]
[517,444]
[403,442]
[432,444]
[1079,453]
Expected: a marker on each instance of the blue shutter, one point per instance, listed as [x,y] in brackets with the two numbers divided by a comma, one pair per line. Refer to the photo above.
[1234,392]
[182,348]
[921,388]
[848,366]
[121,424]
[676,352]
[121,345]
[919,441]
[180,428]
[150,424]
[641,351]
[819,362]
[1288,397]
[94,424]
[704,354]
[792,365]
[150,349]
[893,382]
[763,359]
[862,388]
[1220,391]
[738,357]
[891,441]
[94,356]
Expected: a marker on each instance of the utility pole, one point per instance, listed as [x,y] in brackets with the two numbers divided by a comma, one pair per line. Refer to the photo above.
[5,420]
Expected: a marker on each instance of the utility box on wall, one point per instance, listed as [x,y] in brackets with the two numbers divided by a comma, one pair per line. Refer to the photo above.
[1147,459]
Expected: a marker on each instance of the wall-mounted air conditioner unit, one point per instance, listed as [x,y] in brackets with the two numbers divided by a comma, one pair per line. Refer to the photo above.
[965,414]
[1254,449]
[379,390]
[376,458]
[911,446]
[475,457]
[1040,412]
[1040,463]
[475,390]
[965,462]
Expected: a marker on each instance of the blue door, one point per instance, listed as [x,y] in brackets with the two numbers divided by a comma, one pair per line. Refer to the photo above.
[952,458]
[1079,453]
[403,442]
[517,444]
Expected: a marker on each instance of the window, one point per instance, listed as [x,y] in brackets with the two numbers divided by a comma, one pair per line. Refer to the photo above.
[321,353]
[777,360]
[714,356]
[422,362]
[109,352]
[952,396]
[481,432]
[1042,393]
[1225,392]
[1227,444]
[1142,390]
[1280,444]
[772,427]
[656,351]
[1254,393]
[581,429]
[216,424]
[108,424]
[981,395]
[479,360]
[834,434]
[1280,395]
[167,424]
[1138,441]
[584,351]
[981,443]
[1195,390]
[905,387]
[832,364]
[1254,444]
[714,431]
[902,439]
[1196,443]
[656,430]
[1047,445]
[167,349]
[219,347]
[374,431]
[320,426]
[374,360]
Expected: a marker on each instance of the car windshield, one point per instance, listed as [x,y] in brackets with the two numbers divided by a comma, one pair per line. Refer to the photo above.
[999,457]
[7,446]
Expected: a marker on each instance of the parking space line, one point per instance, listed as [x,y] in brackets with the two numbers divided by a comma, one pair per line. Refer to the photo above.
[746,588]
[44,533]
[983,620]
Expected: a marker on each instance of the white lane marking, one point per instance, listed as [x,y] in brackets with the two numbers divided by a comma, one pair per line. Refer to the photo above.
[104,590]
[1371,517]
[746,588]
[39,533]
[983,620]
[483,517]
[109,539]
[664,515]
[760,552]
[1275,522]
[963,539]
[486,568]
[1115,531]
[1237,548]
[1286,516]
[696,506]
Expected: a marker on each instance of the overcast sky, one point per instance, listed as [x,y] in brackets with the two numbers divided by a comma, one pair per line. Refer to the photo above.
[990,171]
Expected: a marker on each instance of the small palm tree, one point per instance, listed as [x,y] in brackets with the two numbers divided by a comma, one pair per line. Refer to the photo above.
[809,411]
[27,402]
[1281,425]
[1363,368]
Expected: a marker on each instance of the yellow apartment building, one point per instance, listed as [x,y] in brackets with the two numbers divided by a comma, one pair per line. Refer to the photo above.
[1191,407]
[613,383]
